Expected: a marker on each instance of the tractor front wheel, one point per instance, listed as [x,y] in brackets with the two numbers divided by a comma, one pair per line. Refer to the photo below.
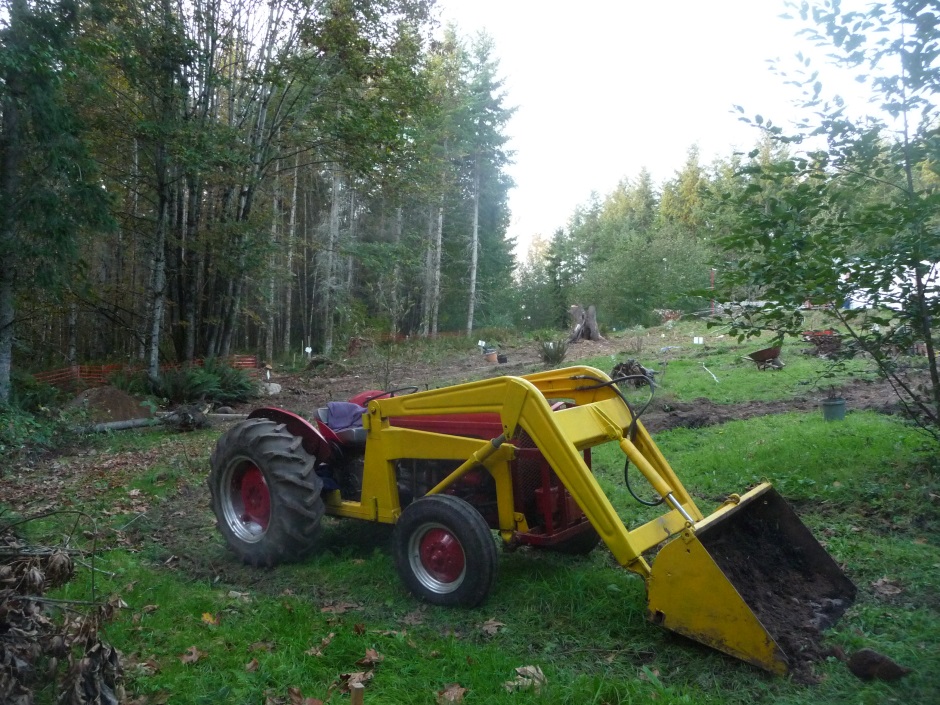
[445,552]
[265,493]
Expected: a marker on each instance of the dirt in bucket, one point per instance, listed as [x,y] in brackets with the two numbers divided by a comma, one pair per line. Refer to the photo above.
[785,577]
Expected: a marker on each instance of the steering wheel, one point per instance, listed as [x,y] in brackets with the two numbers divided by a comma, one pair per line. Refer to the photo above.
[389,393]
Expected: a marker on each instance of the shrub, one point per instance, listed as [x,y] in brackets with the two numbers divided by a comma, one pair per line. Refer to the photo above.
[28,394]
[553,352]
[213,382]
[234,384]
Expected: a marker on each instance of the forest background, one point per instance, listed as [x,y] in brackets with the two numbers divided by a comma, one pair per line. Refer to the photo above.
[183,180]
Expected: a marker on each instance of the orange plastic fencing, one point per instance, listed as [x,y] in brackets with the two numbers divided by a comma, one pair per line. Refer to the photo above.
[98,375]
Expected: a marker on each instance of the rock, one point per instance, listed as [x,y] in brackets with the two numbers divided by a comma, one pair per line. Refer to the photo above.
[868,664]
[225,410]
[270,388]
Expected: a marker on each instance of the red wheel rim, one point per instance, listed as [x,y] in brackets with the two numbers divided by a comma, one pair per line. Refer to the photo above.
[442,555]
[256,500]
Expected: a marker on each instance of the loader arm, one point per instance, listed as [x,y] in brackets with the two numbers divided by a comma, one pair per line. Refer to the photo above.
[599,415]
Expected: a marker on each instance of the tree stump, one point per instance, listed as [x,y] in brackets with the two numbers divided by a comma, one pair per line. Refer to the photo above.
[584,324]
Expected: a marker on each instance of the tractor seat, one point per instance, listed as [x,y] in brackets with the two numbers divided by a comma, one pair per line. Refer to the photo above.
[345,420]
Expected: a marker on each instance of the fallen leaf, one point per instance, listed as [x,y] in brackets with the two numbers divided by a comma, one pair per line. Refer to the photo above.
[490,627]
[210,618]
[413,618]
[192,655]
[348,679]
[318,650]
[452,693]
[147,609]
[526,677]
[134,493]
[241,596]
[390,632]
[886,587]
[358,561]
[371,658]
[252,665]
[340,607]
[359,629]
[262,646]
[920,541]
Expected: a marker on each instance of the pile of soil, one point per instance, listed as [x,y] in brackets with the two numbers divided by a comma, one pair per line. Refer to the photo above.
[783,575]
[110,404]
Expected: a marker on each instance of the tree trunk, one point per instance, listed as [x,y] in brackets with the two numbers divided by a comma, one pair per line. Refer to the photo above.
[474,245]
[584,324]
[289,278]
[328,274]
[269,314]
[436,272]
[427,299]
[396,273]
[10,154]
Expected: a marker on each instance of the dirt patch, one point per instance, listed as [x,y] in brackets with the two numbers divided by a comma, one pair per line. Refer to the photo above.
[783,575]
[109,404]
[859,395]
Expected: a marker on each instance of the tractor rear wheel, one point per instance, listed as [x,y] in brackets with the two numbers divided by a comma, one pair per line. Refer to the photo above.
[445,552]
[265,493]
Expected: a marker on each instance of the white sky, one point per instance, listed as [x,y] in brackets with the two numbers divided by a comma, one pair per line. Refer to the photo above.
[606,87]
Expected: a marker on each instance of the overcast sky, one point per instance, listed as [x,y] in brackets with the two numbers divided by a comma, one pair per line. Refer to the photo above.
[606,87]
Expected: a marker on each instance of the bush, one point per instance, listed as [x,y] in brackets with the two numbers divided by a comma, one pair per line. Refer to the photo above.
[135,383]
[553,352]
[234,384]
[21,431]
[28,394]
[213,382]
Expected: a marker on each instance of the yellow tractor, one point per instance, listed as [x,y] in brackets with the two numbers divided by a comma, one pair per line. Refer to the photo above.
[512,454]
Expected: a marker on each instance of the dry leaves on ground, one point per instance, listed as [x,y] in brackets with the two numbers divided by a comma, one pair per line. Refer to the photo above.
[192,655]
[452,693]
[887,587]
[526,677]
[324,642]
[371,658]
[490,627]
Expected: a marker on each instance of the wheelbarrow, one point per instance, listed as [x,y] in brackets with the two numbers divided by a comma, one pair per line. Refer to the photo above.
[768,358]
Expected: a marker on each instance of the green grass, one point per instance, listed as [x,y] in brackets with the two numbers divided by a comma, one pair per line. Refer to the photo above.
[863,486]
[685,370]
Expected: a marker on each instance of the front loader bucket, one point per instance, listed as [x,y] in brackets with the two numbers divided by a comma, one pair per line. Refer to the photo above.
[752,581]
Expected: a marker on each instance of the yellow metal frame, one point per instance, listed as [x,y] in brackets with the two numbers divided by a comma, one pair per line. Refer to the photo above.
[598,415]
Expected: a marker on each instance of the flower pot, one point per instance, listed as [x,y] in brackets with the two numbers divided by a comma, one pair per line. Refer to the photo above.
[489,355]
[834,409]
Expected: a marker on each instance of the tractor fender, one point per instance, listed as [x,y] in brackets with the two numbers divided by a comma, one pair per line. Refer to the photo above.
[313,441]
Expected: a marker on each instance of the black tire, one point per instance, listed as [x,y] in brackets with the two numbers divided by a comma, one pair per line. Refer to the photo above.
[579,545]
[265,493]
[445,552]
